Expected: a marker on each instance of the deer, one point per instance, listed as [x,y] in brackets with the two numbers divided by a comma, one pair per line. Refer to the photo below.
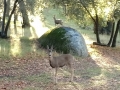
[57,21]
[60,61]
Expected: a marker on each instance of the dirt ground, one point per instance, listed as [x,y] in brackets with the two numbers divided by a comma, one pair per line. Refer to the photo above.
[99,71]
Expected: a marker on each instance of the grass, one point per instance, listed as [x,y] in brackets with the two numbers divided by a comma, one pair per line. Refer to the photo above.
[4,48]
[15,48]
[24,66]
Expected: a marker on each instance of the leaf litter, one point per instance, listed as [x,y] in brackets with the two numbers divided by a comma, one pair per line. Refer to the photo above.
[99,71]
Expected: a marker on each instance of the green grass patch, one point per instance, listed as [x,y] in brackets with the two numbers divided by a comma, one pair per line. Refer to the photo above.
[32,88]
[16,47]
[5,48]
[41,78]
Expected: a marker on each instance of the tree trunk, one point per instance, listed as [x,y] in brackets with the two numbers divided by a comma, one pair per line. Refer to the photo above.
[8,23]
[15,16]
[96,21]
[8,8]
[96,25]
[24,14]
[65,9]
[112,34]
[115,35]
[3,22]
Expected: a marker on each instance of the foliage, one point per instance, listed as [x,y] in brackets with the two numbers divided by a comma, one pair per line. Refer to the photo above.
[3,33]
[76,10]
[84,10]
[116,13]
[35,7]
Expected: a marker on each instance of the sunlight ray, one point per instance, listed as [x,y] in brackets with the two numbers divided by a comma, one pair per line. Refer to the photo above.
[15,47]
[39,27]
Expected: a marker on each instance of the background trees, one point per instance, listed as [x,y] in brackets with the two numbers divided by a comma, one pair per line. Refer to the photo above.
[4,30]
[25,8]
[99,12]
[85,12]
[116,24]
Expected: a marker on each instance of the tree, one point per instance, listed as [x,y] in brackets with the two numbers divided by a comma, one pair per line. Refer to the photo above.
[92,9]
[116,33]
[116,25]
[95,20]
[4,31]
[2,34]
[80,9]
[26,7]
[24,13]
[8,8]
